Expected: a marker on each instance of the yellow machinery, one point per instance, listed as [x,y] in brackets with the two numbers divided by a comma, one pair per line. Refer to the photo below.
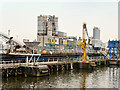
[83,44]
[44,51]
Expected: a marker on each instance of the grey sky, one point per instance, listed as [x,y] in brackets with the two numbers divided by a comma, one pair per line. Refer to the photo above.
[21,18]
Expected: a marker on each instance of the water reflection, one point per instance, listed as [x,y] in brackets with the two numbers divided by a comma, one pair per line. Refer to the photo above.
[113,76]
[102,77]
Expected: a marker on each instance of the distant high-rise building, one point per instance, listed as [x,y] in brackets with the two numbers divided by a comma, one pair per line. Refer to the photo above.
[96,33]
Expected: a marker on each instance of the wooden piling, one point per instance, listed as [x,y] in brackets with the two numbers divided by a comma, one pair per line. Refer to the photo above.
[51,68]
[66,66]
[105,62]
[71,66]
[57,67]
[7,73]
[99,62]
[16,72]
[62,67]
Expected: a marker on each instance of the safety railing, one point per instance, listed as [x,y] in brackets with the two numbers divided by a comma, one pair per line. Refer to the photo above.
[56,59]
[97,58]
[10,62]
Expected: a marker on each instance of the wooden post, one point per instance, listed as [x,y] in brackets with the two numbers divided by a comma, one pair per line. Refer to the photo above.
[62,67]
[118,62]
[7,73]
[34,61]
[67,66]
[57,67]
[48,60]
[62,59]
[99,63]
[57,59]
[37,59]
[16,72]
[71,65]
[25,75]
[105,62]
[51,68]
[43,60]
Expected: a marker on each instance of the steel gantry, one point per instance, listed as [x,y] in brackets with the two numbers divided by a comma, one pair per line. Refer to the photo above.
[113,49]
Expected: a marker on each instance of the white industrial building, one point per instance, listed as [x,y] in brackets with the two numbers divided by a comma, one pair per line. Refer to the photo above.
[47,30]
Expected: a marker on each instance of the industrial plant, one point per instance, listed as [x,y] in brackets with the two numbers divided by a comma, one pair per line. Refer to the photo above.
[54,50]
[70,44]
[51,39]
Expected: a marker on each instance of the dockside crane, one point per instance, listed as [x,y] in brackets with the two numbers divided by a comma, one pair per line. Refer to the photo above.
[83,44]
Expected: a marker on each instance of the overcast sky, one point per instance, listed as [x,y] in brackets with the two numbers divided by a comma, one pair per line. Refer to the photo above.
[21,17]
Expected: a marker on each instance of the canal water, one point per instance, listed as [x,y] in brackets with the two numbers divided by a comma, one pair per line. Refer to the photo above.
[100,77]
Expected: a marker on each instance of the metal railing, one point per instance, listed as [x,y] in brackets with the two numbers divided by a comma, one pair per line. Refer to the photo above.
[97,58]
[51,59]
[10,62]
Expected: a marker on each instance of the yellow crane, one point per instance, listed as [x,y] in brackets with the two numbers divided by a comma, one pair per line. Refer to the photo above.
[83,44]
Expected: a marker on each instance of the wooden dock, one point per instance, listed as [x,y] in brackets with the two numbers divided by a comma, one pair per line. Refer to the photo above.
[15,68]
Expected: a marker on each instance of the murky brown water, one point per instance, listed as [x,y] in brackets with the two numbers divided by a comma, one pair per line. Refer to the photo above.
[102,77]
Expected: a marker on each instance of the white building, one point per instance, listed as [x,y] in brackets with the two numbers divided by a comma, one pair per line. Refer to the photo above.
[95,40]
[47,30]
[98,43]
